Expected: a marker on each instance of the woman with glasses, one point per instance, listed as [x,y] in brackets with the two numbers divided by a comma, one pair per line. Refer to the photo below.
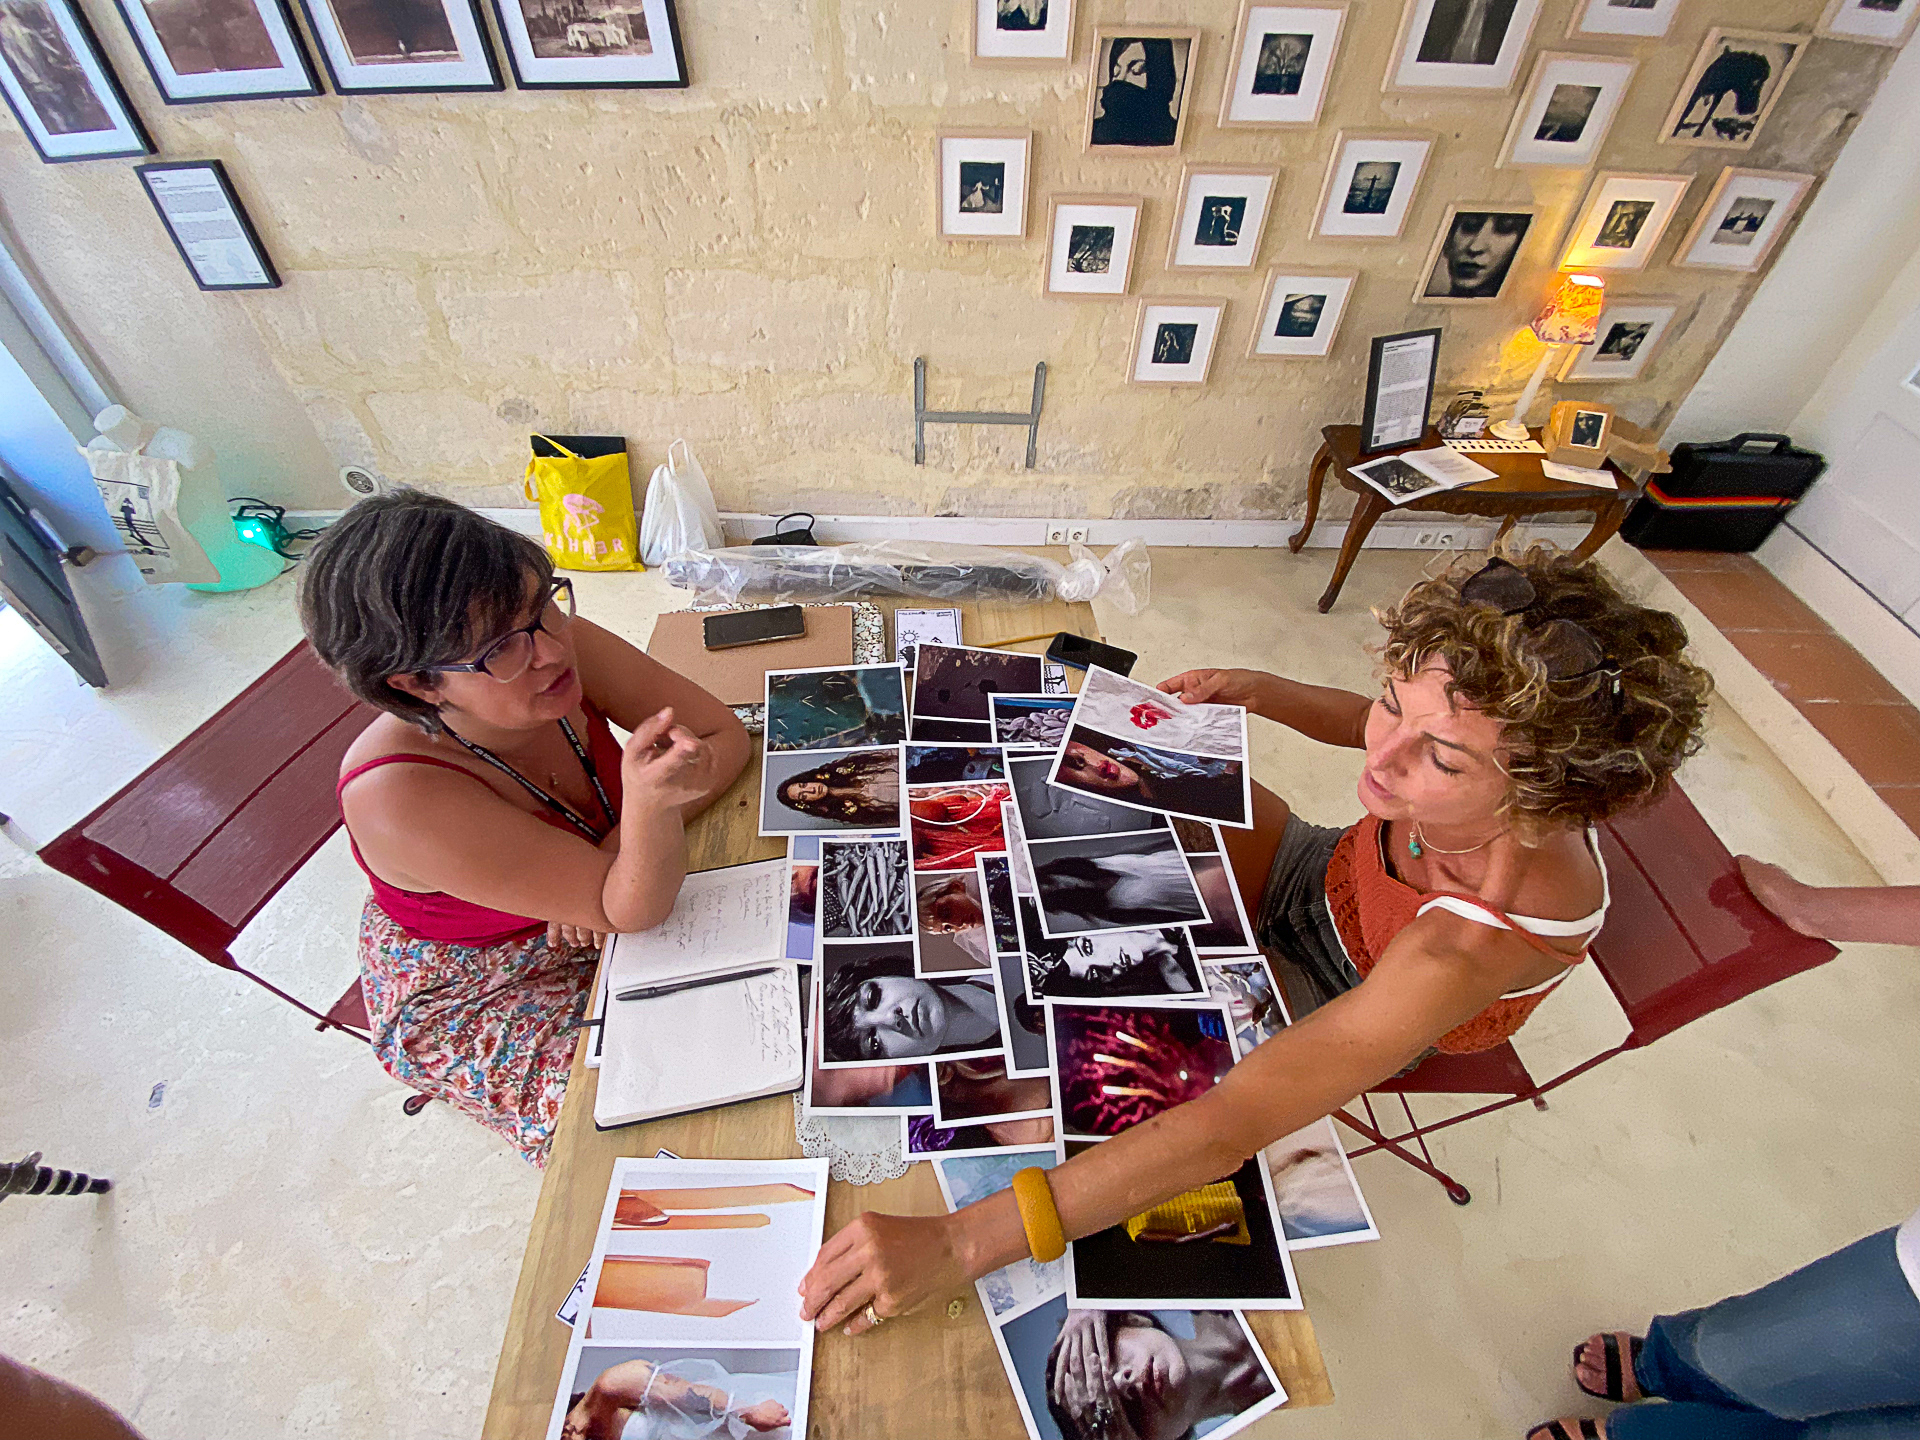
[503,827]
[1519,706]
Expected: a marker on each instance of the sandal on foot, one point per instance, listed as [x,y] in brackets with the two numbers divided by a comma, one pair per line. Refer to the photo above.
[1622,1384]
[1568,1429]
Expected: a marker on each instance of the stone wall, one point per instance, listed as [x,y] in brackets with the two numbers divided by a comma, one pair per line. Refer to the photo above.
[753,264]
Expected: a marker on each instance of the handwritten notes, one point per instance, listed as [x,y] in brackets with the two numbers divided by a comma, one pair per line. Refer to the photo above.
[723,920]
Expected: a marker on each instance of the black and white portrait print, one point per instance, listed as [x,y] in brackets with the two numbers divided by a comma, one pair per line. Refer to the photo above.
[983,187]
[1586,429]
[1476,254]
[1622,341]
[1621,229]
[1141,85]
[1220,219]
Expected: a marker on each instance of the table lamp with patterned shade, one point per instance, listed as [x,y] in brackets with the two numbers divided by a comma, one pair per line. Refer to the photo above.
[1571,317]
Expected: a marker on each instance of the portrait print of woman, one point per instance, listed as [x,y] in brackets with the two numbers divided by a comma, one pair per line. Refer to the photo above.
[1146,962]
[1476,252]
[856,790]
[1202,786]
[1141,85]
[874,1008]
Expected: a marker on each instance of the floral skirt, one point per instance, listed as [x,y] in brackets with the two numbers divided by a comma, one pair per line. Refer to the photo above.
[490,1029]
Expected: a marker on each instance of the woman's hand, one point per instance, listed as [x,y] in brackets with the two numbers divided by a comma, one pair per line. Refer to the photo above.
[666,764]
[1083,1376]
[573,937]
[766,1415]
[1214,687]
[893,1262]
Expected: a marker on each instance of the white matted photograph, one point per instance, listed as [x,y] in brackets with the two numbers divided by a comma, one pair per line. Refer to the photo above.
[1140,88]
[1474,253]
[1630,333]
[983,183]
[1299,316]
[57,82]
[1873,22]
[200,50]
[835,707]
[1370,183]
[1642,18]
[847,790]
[1113,882]
[874,1010]
[1622,220]
[1173,341]
[1151,777]
[1223,213]
[1023,31]
[1282,57]
[1091,244]
[592,44]
[1566,110]
[426,46]
[1742,220]
[1731,88]
[1155,963]
[1461,44]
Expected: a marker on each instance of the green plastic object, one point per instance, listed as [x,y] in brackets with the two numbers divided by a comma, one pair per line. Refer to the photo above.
[242,566]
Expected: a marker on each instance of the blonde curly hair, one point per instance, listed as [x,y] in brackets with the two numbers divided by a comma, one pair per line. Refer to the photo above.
[1579,749]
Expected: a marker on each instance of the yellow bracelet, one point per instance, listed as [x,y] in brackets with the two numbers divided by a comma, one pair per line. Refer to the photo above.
[1038,1216]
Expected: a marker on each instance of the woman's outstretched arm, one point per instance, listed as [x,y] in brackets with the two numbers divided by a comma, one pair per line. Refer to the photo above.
[1319,712]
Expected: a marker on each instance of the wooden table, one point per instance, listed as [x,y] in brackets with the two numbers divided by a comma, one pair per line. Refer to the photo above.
[918,1375]
[1519,488]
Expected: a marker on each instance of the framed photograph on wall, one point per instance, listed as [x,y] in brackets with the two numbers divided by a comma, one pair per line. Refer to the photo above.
[1141,88]
[1874,22]
[1622,220]
[208,225]
[592,44]
[1731,88]
[1566,110]
[220,50]
[1741,222]
[1370,183]
[1223,213]
[1282,57]
[61,89]
[983,183]
[1630,333]
[1090,246]
[372,49]
[1299,316]
[1474,253]
[1173,341]
[1461,44]
[1400,371]
[1621,17]
[1023,31]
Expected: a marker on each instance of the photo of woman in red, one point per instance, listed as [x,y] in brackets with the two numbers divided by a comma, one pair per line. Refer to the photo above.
[951,824]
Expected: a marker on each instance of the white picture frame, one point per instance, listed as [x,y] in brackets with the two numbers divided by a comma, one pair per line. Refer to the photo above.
[1023,42]
[1742,219]
[1371,203]
[1282,58]
[1074,223]
[1631,329]
[1286,305]
[1622,220]
[984,179]
[1637,19]
[1434,52]
[1568,106]
[1165,350]
[1222,214]
[1701,114]
[1142,128]
[1475,253]
[1865,22]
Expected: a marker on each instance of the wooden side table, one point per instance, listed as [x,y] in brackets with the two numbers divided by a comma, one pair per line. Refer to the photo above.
[1519,487]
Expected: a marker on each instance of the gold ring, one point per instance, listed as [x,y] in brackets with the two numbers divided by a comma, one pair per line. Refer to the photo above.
[873,1316]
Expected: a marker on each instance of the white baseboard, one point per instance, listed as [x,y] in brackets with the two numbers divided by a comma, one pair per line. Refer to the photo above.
[1881,637]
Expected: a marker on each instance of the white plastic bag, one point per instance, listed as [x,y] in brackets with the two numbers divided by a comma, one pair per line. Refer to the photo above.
[680,513]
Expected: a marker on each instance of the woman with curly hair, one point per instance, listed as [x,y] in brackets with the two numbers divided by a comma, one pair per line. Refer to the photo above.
[1520,705]
[860,790]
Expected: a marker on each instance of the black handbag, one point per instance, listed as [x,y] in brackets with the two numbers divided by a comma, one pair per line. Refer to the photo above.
[799,535]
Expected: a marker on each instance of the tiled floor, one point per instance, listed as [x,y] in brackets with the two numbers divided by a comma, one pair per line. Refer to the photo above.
[1845,698]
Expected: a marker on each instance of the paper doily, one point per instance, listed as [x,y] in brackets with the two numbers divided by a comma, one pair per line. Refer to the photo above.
[860,1150]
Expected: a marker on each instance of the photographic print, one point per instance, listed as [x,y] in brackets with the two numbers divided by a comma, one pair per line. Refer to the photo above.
[1091,246]
[865,889]
[983,183]
[607,1387]
[1030,721]
[1314,1187]
[1566,110]
[874,1010]
[868,1090]
[1223,213]
[1622,220]
[1474,253]
[1281,58]
[1461,44]
[1149,777]
[1022,1020]
[950,918]
[921,1139]
[1371,181]
[1121,1064]
[803,895]
[1035,31]
[1114,964]
[1875,22]
[933,731]
[1742,219]
[952,683]
[1299,316]
[1173,341]
[220,49]
[1630,333]
[1048,812]
[1731,88]
[996,895]
[966,1179]
[1225,931]
[1137,97]
[1245,986]
[592,44]
[856,790]
[945,764]
[402,47]
[980,1092]
[952,825]
[1397,480]
[1132,710]
[835,708]
[60,88]
[1113,882]
[207,224]
[1621,17]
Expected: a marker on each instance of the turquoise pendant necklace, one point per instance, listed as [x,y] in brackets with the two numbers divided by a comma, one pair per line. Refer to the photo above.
[1417,846]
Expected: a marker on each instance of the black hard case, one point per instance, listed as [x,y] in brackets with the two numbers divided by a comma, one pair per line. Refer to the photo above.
[1757,478]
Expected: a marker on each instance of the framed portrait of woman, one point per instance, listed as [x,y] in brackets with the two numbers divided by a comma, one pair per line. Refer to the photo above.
[1139,92]
[1622,220]
[1461,44]
[1016,32]
[403,47]
[61,89]
[1173,341]
[1473,254]
[1630,333]
[983,183]
[1282,58]
[220,50]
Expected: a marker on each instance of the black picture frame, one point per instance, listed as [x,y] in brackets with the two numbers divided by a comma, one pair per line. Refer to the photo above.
[511,31]
[145,43]
[325,35]
[1376,358]
[113,97]
[219,174]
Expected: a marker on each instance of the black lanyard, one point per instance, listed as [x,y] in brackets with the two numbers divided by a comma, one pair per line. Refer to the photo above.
[566,810]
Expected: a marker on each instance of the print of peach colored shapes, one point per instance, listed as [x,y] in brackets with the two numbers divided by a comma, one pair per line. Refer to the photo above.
[668,1284]
[721,1197]
[632,1212]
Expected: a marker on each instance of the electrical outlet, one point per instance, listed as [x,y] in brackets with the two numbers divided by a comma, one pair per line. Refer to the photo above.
[1076,534]
[1056,532]
[1434,540]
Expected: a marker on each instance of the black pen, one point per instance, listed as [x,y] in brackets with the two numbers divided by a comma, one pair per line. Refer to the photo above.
[654,992]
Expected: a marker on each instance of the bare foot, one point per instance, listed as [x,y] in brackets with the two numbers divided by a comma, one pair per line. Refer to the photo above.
[1590,1364]
[1782,894]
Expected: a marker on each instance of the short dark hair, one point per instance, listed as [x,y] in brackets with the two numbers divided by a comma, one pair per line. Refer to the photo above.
[842,989]
[406,581]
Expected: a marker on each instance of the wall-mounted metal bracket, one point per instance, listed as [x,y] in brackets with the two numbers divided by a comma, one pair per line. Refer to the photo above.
[922,416]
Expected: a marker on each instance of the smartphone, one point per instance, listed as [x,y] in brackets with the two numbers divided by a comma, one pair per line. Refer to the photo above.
[754,627]
[1078,652]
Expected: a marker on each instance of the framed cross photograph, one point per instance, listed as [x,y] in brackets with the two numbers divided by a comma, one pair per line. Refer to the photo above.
[1741,222]
[1299,316]
[208,225]
[1461,44]
[983,183]
[199,50]
[1023,31]
[1090,245]
[1731,88]
[1566,110]
[60,88]
[1173,341]
[1630,333]
[1642,18]
[1141,87]
[1282,57]
[413,48]
[1223,213]
[1474,253]
[1622,219]
[1370,183]
[1873,22]
[592,44]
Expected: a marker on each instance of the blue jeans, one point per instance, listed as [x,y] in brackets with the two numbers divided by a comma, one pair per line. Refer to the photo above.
[1830,1352]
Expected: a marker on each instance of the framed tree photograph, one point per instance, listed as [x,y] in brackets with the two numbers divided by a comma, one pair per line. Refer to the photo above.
[1731,88]
[1474,253]
[1173,341]
[1282,57]
[983,183]
[1461,44]
[198,50]
[413,48]
[60,87]
[1565,111]
[1023,31]
[1299,316]
[1090,246]
[1874,22]
[1141,87]
[1622,219]
[1223,213]
[592,44]
[1741,222]
[208,225]
[1631,330]
[1642,18]
[1370,182]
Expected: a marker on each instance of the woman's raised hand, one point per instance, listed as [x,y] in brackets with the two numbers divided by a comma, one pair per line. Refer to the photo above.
[892,1262]
[665,763]
[1217,687]
[1083,1368]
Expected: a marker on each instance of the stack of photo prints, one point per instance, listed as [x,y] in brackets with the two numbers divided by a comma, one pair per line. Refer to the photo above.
[1025,937]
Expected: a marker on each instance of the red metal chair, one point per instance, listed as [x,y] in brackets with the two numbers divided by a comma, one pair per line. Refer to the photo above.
[1684,938]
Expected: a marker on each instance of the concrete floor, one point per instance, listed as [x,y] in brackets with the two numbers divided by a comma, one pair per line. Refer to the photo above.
[287,1254]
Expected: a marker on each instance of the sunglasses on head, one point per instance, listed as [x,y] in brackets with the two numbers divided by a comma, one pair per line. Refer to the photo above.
[1566,648]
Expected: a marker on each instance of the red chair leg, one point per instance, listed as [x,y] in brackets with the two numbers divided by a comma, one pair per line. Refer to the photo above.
[1456,1192]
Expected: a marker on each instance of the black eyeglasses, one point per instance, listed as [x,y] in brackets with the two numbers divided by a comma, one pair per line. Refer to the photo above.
[507,658]
[1566,648]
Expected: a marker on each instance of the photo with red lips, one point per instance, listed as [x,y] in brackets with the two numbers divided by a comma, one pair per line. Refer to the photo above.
[1126,772]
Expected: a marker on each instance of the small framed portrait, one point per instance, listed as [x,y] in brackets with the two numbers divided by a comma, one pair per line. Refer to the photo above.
[1023,31]
[221,50]
[1731,88]
[1138,94]
[1566,109]
[592,44]
[1741,222]
[208,225]
[1630,332]
[1474,253]
[983,183]
[59,86]
[1874,22]
[410,49]
[1299,316]
[1461,44]
[1576,433]
[1091,244]
[1622,220]
[1173,341]
[1223,213]
[1642,18]
[1370,183]
[1282,56]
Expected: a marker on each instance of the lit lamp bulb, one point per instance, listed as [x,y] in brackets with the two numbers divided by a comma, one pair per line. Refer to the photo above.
[1571,317]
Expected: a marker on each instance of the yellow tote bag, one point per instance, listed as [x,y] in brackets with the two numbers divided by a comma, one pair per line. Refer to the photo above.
[586,505]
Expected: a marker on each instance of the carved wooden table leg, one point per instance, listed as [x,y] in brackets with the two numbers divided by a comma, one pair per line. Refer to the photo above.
[1316,477]
[1369,509]
[1607,519]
